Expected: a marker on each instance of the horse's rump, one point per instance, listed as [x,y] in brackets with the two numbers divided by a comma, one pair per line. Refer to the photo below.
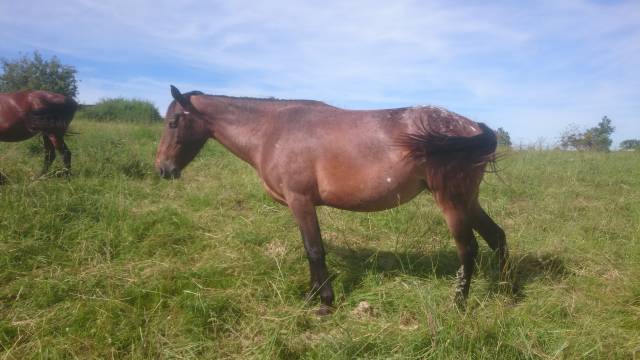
[51,113]
[454,163]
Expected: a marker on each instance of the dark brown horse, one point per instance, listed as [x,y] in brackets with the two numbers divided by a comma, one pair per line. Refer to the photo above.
[24,114]
[308,153]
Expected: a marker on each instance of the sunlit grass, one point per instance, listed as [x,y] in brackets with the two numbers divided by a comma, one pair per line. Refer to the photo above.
[116,263]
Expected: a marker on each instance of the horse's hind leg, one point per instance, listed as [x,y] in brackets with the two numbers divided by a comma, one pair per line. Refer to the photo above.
[305,214]
[66,156]
[460,222]
[58,142]
[49,153]
[491,233]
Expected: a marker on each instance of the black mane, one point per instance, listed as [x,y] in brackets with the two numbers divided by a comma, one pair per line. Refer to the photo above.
[257,99]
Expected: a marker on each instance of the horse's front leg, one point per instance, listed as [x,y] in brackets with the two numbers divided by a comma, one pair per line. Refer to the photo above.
[305,214]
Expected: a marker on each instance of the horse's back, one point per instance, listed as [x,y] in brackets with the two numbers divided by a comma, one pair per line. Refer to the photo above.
[342,158]
[42,99]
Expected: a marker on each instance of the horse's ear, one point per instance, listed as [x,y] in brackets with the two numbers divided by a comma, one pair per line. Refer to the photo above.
[177,95]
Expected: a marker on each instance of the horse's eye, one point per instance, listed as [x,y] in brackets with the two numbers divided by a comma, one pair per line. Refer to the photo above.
[174,123]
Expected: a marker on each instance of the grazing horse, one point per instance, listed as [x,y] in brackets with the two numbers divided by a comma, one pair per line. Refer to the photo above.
[308,153]
[24,114]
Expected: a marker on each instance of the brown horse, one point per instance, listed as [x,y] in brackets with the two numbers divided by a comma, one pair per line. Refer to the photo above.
[24,114]
[308,153]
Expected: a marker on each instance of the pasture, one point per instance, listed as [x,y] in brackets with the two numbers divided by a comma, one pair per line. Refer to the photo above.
[117,263]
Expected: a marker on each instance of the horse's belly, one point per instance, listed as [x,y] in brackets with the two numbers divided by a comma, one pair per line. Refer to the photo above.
[371,195]
[15,132]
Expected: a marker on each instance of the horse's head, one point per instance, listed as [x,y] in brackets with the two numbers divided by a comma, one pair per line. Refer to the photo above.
[185,133]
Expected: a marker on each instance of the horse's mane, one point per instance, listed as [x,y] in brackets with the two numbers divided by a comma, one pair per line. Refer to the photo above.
[257,99]
[269,99]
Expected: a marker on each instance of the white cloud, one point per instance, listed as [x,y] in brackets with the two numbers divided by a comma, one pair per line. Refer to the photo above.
[530,68]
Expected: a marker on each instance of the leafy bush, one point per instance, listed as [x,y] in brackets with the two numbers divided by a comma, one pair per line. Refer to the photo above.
[120,109]
[37,73]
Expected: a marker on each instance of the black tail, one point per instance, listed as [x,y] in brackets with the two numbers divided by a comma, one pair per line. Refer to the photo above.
[52,117]
[454,165]
[428,144]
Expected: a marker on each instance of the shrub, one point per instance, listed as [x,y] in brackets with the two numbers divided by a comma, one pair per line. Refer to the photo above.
[120,109]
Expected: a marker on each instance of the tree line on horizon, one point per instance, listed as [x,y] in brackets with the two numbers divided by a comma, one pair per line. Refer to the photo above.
[35,72]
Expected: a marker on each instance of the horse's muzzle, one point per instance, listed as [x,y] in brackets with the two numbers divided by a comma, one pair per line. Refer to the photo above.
[169,172]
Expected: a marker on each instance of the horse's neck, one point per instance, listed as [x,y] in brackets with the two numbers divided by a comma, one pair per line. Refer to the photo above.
[238,129]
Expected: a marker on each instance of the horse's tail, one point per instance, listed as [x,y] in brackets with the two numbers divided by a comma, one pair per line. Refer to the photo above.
[53,115]
[429,143]
[453,163]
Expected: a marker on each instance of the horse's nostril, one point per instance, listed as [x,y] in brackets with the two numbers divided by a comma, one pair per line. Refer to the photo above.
[168,171]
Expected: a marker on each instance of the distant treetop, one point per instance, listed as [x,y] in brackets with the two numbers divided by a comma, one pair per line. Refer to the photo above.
[503,137]
[36,73]
[631,144]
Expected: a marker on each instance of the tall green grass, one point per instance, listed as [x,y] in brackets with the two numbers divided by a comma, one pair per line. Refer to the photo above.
[120,110]
[116,263]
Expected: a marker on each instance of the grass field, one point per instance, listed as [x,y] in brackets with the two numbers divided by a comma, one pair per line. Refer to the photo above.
[116,263]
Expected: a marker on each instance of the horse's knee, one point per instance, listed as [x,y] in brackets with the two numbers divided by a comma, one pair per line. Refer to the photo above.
[497,240]
[315,254]
[493,234]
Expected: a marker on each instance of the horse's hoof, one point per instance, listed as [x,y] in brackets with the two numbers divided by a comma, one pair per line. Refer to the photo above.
[324,310]
[64,174]
[460,301]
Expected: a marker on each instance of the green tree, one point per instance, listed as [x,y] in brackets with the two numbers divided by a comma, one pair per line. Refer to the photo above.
[503,137]
[596,138]
[36,73]
[600,136]
[631,144]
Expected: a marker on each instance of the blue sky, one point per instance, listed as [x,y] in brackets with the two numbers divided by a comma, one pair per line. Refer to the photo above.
[531,67]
